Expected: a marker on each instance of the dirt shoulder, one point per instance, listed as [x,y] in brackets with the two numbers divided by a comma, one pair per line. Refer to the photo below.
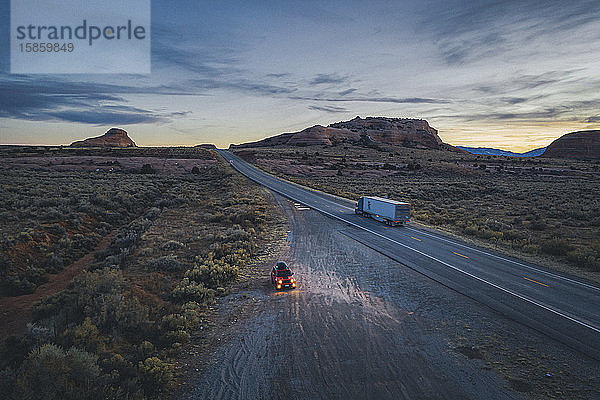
[226,319]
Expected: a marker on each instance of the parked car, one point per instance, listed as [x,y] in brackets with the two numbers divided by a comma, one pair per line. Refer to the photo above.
[282,276]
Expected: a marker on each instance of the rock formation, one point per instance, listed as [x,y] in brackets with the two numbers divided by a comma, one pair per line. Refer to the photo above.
[115,137]
[368,131]
[396,131]
[576,145]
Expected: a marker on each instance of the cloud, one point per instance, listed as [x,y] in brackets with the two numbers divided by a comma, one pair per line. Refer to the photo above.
[524,88]
[278,75]
[469,32]
[458,51]
[567,111]
[104,116]
[237,84]
[328,79]
[328,109]
[347,91]
[45,99]
[397,100]
[210,67]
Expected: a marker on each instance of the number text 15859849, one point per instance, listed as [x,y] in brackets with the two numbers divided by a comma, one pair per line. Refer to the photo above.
[36,47]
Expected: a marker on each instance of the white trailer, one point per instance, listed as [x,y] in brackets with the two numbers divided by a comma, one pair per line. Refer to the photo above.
[389,211]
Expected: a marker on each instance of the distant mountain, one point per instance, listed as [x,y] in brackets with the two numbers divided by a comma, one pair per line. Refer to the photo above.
[487,151]
[576,145]
[368,131]
[115,137]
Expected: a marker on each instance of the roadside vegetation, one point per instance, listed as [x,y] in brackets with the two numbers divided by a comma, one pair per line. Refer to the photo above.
[177,242]
[542,207]
[51,218]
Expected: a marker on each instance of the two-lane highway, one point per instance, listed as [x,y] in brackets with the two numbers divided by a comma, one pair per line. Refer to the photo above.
[563,307]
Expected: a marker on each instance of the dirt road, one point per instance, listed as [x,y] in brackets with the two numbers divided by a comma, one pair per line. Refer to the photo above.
[360,326]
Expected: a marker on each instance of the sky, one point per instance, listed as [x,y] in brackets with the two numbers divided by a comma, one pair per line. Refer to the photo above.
[513,75]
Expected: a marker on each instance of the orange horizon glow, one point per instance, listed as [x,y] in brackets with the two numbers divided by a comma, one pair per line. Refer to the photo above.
[516,137]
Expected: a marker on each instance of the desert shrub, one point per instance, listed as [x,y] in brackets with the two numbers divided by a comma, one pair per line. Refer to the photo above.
[179,337]
[144,317]
[104,228]
[235,234]
[191,313]
[101,297]
[122,373]
[164,263]
[54,263]
[156,375]
[173,245]
[147,169]
[15,351]
[556,247]
[56,229]
[146,251]
[49,372]
[87,336]
[188,290]
[217,217]
[213,273]
[8,381]
[513,234]
[101,254]
[538,225]
[146,349]
[14,285]
[172,322]
[36,276]
[152,213]
[38,334]
[126,238]
[62,302]
[585,258]
[6,265]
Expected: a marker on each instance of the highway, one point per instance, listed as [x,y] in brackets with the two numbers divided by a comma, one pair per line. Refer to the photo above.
[562,307]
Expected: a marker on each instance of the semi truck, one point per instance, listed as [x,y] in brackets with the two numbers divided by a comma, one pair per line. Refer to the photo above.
[390,212]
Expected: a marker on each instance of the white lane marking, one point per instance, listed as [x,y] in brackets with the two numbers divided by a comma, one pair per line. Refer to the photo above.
[468,274]
[506,259]
[457,269]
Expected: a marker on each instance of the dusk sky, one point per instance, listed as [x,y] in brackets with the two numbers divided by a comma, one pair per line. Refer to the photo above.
[507,74]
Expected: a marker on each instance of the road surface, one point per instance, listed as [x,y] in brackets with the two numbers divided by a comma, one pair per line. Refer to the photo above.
[563,307]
